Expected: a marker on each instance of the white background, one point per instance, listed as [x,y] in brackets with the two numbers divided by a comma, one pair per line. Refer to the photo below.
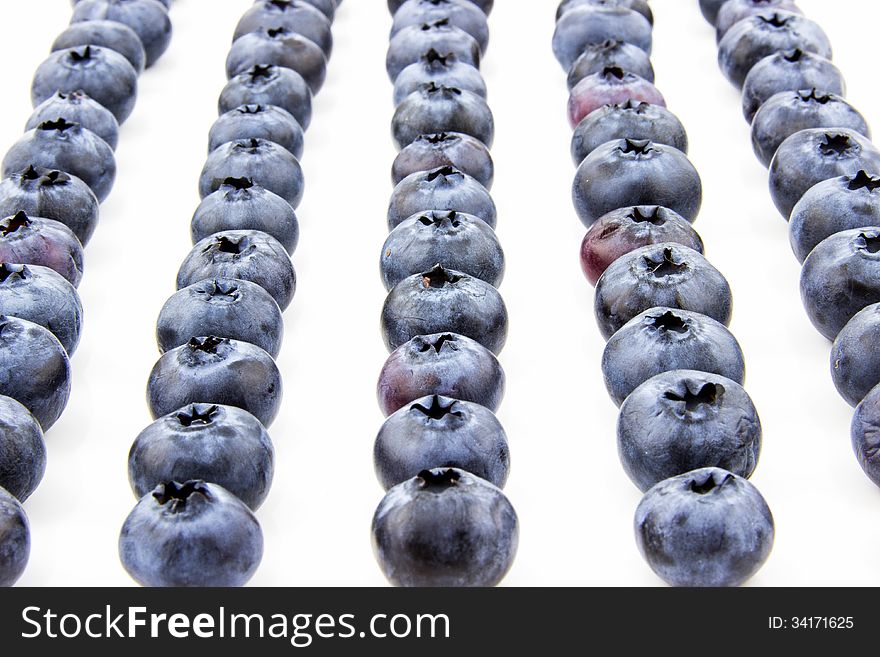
[574,502]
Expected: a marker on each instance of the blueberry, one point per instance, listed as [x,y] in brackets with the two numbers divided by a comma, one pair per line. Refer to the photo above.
[442,109]
[454,149]
[266,163]
[789,112]
[22,454]
[436,432]
[811,156]
[463,14]
[831,206]
[610,54]
[710,9]
[249,255]
[644,173]
[42,296]
[459,241]
[863,433]
[664,274]
[35,369]
[258,122]
[232,308]
[326,7]
[484,5]
[588,24]
[165,3]
[766,33]
[191,534]
[624,230]
[292,15]
[631,119]
[77,107]
[440,189]
[443,70]
[609,86]
[840,277]
[240,204]
[705,528]
[444,300]
[410,43]
[15,546]
[213,370]
[855,368]
[106,34]
[36,241]
[148,18]
[445,527]
[664,339]
[221,444]
[51,194]
[736,10]
[640,6]
[278,47]
[269,85]
[445,364]
[103,74]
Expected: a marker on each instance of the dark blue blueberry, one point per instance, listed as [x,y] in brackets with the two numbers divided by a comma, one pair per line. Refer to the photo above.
[631,119]
[296,16]
[640,6]
[445,527]
[77,107]
[855,361]
[221,444]
[444,300]
[445,364]
[191,534]
[644,173]
[611,53]
[106,34]
[249,255]
[840,277]
[432,151]
[42,296]
[34,369]
[456,240]
[266,163]
[864,434]
[440,189]
[810,156]
[269,85]
[235,309]
[28,240]
[704,528]
[240,204]
[589,24]
[15,548]
[734,11]
[22,455]
[462,14]
[484,5]
[148,18]
[442,109]
[267,122]
[789,112]
[833,205]
[410,43]
[785,71]
[212,370]
[664,274]
[663,339]
[51,194]
[278,47]
[443,70]
[710,9]
[609,86]
[766,33]
[67,146]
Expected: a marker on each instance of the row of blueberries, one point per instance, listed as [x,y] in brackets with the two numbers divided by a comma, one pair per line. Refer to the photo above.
[824,176]
[688,434]
[54,178]
[206,463]
[442,455]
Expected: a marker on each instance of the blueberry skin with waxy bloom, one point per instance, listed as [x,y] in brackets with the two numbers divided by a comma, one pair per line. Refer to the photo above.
[484,5]
[269,85]
[326,7]
[77,107]
[445,364]
[105,34]
[584,25]
[22,453]
[292,15]
[454,149]
[610,53]
[463,14]
[864,434]
[410,43]
[855,365]
[439,431]
[212,442]
[434,108]
[443,190]
[267,122]
[734,11]
[610,86]
[704,528]
[36,241]
[445,527]
[148,18]
[190,534]
[443,70]
[16,546]
[641,6]
[278,47]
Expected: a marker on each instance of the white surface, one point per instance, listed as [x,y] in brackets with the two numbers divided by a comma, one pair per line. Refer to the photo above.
[574,502]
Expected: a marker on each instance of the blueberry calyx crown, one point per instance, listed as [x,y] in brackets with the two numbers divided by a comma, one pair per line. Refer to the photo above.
[613,73]
[46,178]
[251,146]
[437,410]
[666,265]
[435,59]
[60,124]
[72,96]
[632,105]
[228,290]
[605,46]
[774,20]
[438,277]
[207,344]
[238,184]
[637,146]
[868,242]
[11,272]
[814,96]
[226,244]
[709,394]
[863,180]
[435,25]
[437,219]
[250,109]
[836,144]
[709,484]
[437,344]
[283,5]
[174,496]
[260,72]
[78,55]
[198,415]
[793,56]
[277,32]
[434,88]
[668,322]
[438,479]
[646,214]
[11,224]
[442,174]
